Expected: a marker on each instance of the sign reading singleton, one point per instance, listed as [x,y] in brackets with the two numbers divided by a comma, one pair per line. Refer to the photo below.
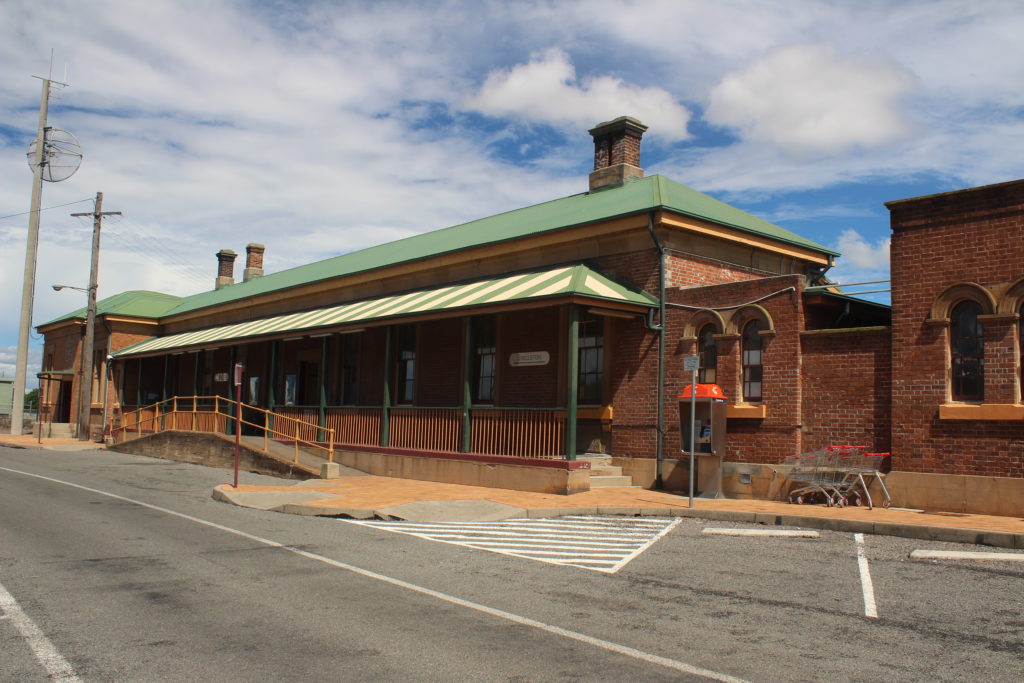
[526,358]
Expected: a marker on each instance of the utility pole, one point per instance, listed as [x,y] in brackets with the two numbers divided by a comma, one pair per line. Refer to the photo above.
[85,400]
[28,285]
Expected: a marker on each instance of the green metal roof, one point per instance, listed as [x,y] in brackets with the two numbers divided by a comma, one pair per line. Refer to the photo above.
[132,304]
[635,196]
[567,280]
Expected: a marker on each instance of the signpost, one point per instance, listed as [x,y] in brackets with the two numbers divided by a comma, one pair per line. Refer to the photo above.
[239,370]
[691,363]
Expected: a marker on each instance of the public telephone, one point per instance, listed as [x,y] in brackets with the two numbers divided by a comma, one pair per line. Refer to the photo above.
[709,419]
[703,410]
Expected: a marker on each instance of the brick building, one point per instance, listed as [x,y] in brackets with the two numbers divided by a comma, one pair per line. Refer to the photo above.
[958,324]
[534,336]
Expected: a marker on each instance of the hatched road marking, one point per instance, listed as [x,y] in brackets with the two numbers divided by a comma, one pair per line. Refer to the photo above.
[603,544]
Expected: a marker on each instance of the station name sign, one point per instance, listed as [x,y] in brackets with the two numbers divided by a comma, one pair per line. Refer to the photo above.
[528,358]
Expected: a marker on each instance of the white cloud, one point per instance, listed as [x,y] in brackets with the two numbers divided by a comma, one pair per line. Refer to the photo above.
[546,89]
[8,359]
[861,254]
[807,100]
[317,128]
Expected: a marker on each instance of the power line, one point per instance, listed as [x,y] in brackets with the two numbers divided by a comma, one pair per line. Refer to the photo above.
[26,213]
[129,234]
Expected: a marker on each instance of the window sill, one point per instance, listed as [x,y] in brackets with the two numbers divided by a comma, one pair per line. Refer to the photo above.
[981,411]
[603,413]
[751,411]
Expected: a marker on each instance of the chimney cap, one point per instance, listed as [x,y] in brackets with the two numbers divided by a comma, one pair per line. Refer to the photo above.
[254,246]
[620,123]
[226,252]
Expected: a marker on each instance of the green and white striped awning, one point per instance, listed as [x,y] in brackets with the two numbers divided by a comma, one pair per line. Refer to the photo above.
[576,280]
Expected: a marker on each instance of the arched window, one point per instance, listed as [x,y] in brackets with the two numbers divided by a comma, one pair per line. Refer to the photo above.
[708,353]
[967,352]
[1020,347]
[753,370]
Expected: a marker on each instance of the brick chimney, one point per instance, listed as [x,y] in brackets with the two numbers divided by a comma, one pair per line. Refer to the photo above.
[616,152]
[225,268]
[253,261]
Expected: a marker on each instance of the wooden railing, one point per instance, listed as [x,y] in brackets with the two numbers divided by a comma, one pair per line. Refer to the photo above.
[523,432]
[430,429]
[205,414]
[355,425]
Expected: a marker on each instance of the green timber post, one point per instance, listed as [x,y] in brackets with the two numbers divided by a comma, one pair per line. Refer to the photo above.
[272,381]
[467,390]
[572,364]
[163,395]
[138,386]
[385,407]
[323,391]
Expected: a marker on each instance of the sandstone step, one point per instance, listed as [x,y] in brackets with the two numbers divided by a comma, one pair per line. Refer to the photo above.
[600,481]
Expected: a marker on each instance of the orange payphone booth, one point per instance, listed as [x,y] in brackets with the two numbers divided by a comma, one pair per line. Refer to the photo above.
[707,434]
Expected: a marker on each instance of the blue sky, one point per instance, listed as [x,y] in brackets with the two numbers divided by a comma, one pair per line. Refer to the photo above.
[322,127]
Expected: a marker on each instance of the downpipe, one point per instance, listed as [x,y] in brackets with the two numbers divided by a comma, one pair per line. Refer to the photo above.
[659,480]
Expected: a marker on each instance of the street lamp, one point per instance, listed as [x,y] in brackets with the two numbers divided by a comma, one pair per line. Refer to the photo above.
[85,391]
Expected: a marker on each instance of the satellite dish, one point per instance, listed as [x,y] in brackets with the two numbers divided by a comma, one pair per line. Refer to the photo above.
[62,155]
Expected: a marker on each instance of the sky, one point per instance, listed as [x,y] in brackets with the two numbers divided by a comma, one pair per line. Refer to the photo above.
[317,128]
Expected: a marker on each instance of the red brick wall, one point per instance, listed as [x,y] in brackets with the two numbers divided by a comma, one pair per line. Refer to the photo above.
[634,374]
[975,236]
[439,363]
[531,386]
[846,388]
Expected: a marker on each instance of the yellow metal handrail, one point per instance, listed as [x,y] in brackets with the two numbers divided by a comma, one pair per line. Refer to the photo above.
[159,421]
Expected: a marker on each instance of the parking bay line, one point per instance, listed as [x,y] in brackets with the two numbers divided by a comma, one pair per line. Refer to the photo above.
[791,533]
[965,555]
[867,586]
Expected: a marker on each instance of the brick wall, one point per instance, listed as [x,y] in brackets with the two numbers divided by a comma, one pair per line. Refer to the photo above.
[977,236]
[531,386]
[439,363]
[846,389]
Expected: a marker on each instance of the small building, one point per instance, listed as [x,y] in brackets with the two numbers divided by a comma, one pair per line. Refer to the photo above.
[6,395]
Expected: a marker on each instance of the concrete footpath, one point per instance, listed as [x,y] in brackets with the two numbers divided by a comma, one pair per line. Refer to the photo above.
[364,496]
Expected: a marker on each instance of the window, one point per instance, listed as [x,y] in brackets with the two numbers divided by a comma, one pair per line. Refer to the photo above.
[967,352]
[708,356]
[1020,347]
[484,339]
[753,370]
[591,359]
[405,359]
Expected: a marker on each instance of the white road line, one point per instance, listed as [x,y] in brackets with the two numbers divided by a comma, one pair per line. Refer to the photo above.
[792,533]
[867,587]
[606,645]
[645,546]
[964,555]
[44,650]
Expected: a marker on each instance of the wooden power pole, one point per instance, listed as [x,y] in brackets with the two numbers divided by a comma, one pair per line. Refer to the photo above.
[85,395]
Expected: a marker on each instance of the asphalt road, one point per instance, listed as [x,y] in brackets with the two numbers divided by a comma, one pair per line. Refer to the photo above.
[97,586]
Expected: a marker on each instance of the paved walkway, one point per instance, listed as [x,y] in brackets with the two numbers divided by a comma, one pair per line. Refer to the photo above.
[366,496]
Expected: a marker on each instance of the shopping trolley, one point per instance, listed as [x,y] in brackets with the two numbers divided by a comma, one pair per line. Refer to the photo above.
[819,477]
[861,469]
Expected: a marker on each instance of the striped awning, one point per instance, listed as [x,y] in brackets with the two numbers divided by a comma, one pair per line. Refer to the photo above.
[578,280]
